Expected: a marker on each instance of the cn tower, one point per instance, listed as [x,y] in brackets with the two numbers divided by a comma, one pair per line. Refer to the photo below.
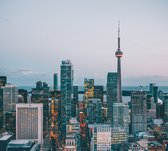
[119,54]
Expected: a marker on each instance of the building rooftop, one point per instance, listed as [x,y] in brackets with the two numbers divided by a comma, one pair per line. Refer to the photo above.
[154,143]
[3,138]
[20,143]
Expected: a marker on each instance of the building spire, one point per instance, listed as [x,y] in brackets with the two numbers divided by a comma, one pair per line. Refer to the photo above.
[118,35]
[119,54]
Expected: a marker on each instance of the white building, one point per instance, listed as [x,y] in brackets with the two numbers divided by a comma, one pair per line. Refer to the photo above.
[101,137]
[72,140]
[29,121]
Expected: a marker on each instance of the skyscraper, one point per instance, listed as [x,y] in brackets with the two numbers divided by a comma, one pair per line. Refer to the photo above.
[165,105]
[98,92]
[1,108]
[3,80]
[40,94]
[112,78]
[89,88]
[10,98]
[119,54]
[138,112]
[55,81]
[94,111]
[66,93]
[121,116]
[75,100]
[29,121]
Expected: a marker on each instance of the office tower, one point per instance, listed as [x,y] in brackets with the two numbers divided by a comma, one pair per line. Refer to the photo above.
[66,93]
[165,104]
[112,78]
[1,108]
[39,85]
[29,121]
[121,116]
[55,81]
[45,87]
[89,89]
[151,107]
[138,112]
[3,80]
[98,92]
[101,137]
[94,111]
[75,101]
[155,94]
[10,98]
[40,94]
[160,110]
[151,85]
[119,54]
[23,93]
[118,137]
[153,90]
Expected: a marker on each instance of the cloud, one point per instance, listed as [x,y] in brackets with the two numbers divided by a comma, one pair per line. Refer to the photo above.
[21,72]
[28,72]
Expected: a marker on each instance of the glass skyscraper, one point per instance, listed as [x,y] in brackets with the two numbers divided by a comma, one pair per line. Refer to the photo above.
[66,93]
[111,94]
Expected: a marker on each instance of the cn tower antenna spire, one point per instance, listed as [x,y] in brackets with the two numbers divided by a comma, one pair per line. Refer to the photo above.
[118,28]
[119,54]
[118,35]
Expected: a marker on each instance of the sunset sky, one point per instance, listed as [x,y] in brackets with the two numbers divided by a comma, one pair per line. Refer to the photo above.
[36,35]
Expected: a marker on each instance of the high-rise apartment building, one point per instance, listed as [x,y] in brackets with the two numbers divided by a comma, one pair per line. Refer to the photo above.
[98,92]
[55,81]
[75,101]
[3,81]
[66,93]
[112,78]
[94,111]
[121,116]
[40,94]
[10,98]
[165,105]
[88,88]
[138,112]
[29,121]
[1,108]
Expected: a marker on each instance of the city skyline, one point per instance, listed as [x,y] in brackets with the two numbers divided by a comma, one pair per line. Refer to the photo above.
[37,36]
